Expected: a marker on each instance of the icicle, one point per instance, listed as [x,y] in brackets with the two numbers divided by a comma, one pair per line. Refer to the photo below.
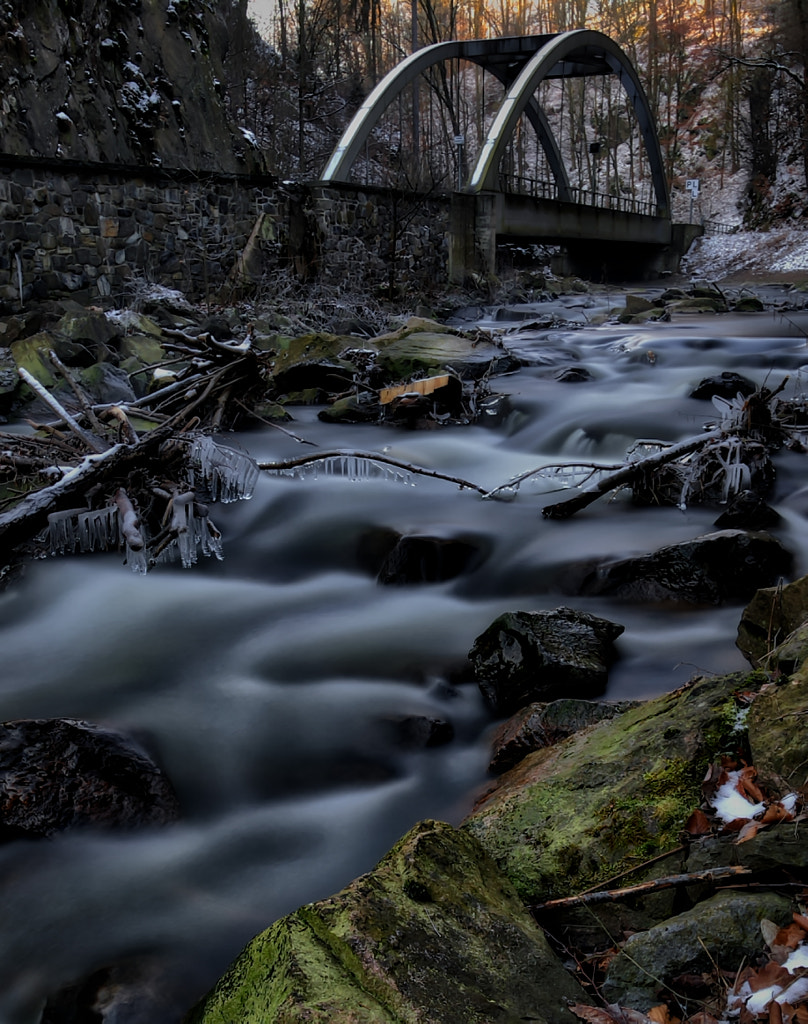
[63,532]
[136,560]
[228,475]
[98,529]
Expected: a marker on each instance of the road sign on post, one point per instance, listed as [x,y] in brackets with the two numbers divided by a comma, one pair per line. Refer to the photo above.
[692,185]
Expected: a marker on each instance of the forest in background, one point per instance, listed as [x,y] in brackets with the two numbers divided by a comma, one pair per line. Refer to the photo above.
[727,80]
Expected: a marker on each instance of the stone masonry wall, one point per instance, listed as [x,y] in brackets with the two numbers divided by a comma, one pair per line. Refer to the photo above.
[380,239]
[104,235]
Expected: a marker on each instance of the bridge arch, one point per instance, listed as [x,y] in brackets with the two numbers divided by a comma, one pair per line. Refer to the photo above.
[573,47]
[501,57]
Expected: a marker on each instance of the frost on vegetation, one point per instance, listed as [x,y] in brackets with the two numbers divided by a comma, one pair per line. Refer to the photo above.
[227,475]
[82,530]
[185,529]
[348,467]
[249,136]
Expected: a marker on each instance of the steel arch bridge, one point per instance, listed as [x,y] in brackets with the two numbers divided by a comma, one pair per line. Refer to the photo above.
[482,211]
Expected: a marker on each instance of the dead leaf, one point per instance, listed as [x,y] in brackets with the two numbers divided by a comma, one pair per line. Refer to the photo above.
[776,812]
[593,1014]
[800,1015]
[702,1017]
[801,920]
[698,824]
[790,936]
[769,974]
[662,1015]
[735,825]
[775,1012]
[749,831]
[748,786]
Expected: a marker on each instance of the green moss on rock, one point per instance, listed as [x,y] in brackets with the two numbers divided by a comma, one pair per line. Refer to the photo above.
[607,799]
[434,933]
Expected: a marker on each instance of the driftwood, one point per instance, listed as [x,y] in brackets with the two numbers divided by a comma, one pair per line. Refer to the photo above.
[654,885]
[31,514]
[626,475]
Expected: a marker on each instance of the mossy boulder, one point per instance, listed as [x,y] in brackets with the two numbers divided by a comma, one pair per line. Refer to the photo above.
[608,798]
[89,327]
[772,615]
[32,355]
[423,347]
[778,737]
[698,305]
[434,933]
[723,931]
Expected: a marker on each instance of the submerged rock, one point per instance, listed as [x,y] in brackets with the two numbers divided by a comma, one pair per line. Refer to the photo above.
[526,656]
[58,774]
[723,931]
[434,933]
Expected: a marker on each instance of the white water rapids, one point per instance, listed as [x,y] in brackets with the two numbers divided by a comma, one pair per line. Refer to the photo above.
[264,684]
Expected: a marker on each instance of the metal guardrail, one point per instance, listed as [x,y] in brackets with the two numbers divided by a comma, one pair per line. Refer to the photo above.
[714,227]
[542,189]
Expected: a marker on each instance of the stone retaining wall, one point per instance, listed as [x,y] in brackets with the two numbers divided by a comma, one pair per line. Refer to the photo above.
[105,234]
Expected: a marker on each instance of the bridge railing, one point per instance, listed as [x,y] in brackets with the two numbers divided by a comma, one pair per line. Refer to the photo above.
[542,189]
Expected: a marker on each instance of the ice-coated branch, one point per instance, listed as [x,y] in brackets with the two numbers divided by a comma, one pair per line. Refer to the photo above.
[128,520]
[626,475]
[87,439]
[387,460]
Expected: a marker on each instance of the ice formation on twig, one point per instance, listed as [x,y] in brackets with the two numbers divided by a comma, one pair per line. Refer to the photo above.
[228,475]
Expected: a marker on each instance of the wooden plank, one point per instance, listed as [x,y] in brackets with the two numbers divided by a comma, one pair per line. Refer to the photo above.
[417,387]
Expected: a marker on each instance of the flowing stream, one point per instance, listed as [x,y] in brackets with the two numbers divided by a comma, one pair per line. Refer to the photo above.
[266,684]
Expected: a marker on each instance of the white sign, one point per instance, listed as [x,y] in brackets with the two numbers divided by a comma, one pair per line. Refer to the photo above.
[692,186]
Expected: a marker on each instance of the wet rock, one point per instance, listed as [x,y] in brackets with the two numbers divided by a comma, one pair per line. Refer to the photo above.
[698,305]
[134,991]
[770,617]
[218,326]
[722,931]
[351,409]
[434,933]
[727,385]
[416,732]
[423,559]
[748,511]
[523,657]
[58,774]
[106,383]
[328,377]
[724,566]
[773,852]
[91,328]
[749,304]
[423,347]
[543,725]
[570,816]
[638,304]
[573,375]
